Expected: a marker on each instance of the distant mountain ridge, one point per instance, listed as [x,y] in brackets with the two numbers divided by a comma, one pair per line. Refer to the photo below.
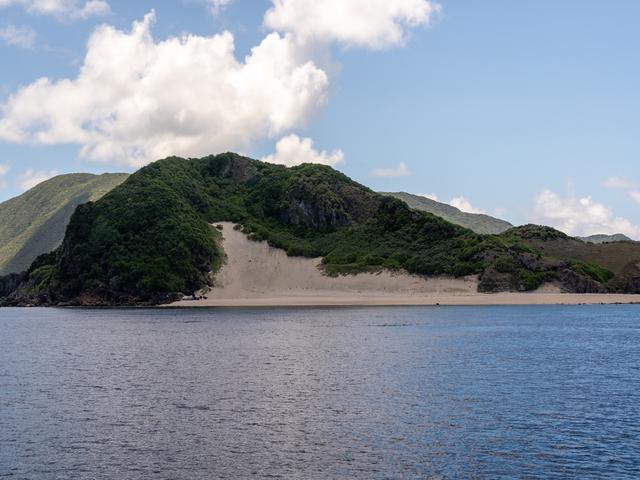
[478,222]
[618,237]
[34,222]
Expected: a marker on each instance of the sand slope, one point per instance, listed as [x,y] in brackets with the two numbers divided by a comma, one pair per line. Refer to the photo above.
[256,274]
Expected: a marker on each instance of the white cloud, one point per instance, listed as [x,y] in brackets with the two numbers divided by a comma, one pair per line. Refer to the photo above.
[464,205]
[372,24]
[400,171]
[293,150]
[217,5]
[635,195]
[67,9]
[136,100]
[431,196]
[580,216]
[30,178]
[617,182]
[23,37]
[94,8]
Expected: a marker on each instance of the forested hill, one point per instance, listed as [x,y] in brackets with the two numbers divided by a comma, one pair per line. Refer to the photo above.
[34,223]
[150,240]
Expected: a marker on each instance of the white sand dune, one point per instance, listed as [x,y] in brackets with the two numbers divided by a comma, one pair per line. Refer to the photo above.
[255,274]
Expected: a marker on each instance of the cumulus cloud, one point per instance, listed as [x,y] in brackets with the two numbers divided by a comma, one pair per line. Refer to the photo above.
[580,216]
[635,195]
[23,37]
[30,178]
[401,170]
[464,205]
[293,150]
[372,24]
[68,9]
[136,100]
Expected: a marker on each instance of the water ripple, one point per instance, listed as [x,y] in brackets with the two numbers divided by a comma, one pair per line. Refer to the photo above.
[496,392]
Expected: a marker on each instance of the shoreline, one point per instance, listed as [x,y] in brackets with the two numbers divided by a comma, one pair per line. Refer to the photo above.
[476,300]
[255,274]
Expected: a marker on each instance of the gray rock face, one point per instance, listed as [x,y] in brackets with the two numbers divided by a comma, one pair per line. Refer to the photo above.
[493,281]
[314,214]
[232,166]
[10,283]
[575,283]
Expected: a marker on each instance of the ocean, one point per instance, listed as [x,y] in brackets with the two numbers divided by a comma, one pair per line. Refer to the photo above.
[321,393]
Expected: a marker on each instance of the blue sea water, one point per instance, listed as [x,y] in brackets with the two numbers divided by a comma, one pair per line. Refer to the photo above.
[425,392]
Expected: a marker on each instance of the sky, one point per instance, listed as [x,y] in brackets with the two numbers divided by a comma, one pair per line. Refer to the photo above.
[529,111]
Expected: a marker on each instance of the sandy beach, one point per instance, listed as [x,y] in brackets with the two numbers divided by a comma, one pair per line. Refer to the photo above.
[257,275]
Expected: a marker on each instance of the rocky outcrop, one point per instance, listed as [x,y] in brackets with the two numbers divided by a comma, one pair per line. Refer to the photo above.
[527,271]
[231,166]
[315,214]
[323,207]
[573,282]
[10,283]
[26,294]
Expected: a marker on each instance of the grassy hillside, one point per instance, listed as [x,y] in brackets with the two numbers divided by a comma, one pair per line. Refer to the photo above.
[34,223]
[150,239]
[621,259]
[479,223]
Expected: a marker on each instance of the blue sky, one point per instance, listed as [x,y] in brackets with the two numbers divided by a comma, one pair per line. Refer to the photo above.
[527,110]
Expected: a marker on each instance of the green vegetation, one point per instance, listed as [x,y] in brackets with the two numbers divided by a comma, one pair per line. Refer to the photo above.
[597,273]
[144,238]
[529,280]
[477,222]
[536,232]
[615,264]
[151,239]
[34,223]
